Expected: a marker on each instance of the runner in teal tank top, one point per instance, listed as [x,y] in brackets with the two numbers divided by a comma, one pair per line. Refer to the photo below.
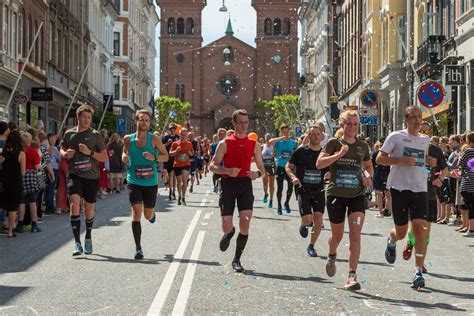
[142,150]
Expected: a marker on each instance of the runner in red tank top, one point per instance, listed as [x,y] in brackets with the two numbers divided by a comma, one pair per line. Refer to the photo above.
[237,152]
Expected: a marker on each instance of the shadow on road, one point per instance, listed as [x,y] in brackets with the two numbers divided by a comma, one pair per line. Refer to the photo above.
[271,218]
[285,277]
[450,277]
[402,303]
[7,292]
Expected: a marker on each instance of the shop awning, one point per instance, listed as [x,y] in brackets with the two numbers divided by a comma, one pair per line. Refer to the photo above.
[426,114]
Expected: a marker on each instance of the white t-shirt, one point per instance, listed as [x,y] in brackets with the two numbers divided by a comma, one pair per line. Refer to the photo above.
[403,177]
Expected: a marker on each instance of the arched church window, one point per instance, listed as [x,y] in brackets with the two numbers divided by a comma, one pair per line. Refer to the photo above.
[268,26]
[277,27]
[180,26]
[171,26]
[276,90]
[286,27]
[189,26]
[228,54]
[180,93]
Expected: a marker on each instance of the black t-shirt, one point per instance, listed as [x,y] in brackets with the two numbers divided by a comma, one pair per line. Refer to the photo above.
[195,149]
[168,140]
[379,170]
[435,152]
[115,157]
[304,158]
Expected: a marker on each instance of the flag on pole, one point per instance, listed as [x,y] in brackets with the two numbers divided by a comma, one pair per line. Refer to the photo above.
[152,105]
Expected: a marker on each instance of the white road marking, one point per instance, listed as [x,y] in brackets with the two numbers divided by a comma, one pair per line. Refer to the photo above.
[6,307]
[163,291]
[204,224]
[207,215]
[203,202]
[207,192]
[183,295]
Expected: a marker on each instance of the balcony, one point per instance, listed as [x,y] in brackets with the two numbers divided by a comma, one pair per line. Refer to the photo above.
[430,52]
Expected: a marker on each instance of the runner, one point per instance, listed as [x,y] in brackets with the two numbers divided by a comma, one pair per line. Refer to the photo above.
[283,147]
[193,159]
[141,152]
[348,159]
[269,176]
[236,152]
[168,140]
[407,152]
[382,193]
[181,150]
[221,134]
[84,148]
[309,186]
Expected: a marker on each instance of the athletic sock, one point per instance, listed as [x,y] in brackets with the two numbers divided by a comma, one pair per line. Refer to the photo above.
[76,227]
[241,242]
[33,223]
[89,224]
[411,238]
[418,270]
[137,232]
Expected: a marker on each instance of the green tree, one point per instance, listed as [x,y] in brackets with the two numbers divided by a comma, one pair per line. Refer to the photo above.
[264,118]
[109,123]
[166,105]
[285,109]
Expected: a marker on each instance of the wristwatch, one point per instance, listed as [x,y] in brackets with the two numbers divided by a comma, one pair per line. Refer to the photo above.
[92,153]
[259,173]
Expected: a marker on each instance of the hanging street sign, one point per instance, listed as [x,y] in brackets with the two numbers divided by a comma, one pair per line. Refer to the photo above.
[20,98]
[454,75]
[369,98]
[430,94]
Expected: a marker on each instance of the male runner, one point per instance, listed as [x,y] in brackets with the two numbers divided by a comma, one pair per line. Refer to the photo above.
[348,159]
[309,186]
[283,147]
[181,150]
[141,152]
[237,152]
[221,134]
[84,148]
[407,152]
[168,140]
[193,159]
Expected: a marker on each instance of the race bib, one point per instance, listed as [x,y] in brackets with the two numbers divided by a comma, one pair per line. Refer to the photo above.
[418,154]
[111,153]
[312,176]
[182,157]
[347,179]
[144,172]
[268,162]
[285,155]
[83,165]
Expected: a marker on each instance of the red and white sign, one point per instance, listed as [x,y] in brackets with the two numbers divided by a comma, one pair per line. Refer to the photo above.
[430,94]
[20,98]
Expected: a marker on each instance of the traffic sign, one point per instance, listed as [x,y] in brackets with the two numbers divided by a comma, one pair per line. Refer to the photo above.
[298,131]
[121,124]
[430,94]
[20,98]
[369,98]
[369,120]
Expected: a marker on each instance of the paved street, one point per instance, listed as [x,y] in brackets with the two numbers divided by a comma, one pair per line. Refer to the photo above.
[184,271]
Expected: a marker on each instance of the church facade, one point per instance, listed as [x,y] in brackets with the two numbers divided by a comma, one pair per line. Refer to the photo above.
[227,74]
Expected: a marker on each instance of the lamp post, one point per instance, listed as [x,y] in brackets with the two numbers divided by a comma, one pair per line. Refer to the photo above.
[223,8]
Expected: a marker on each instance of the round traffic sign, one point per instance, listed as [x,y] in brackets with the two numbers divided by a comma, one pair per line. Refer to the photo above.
[430,94]
[20,98]
[369,98]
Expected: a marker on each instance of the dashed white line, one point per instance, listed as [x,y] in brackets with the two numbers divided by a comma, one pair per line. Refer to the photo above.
[207,215]
[203,224]
[203,202]
[160,298]
[185,290]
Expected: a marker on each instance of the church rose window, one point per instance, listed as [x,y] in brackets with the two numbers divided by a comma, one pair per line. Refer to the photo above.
[228,84]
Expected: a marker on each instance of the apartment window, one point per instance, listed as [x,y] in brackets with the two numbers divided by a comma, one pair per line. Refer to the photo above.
[171,26]
[116,87]
[5,28]
[116,43]
[20,33]
[402,28]
[277,27]
[118,5]
[462,7]
[14,36]
[451,18]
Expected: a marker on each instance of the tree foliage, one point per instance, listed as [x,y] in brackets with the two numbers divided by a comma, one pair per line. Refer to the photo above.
[109,123]
[272,113]
[166,105]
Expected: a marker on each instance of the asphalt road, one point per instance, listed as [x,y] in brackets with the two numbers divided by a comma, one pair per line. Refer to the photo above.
[185,272]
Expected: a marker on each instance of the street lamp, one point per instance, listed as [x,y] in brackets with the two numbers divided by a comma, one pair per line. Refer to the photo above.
[223,8]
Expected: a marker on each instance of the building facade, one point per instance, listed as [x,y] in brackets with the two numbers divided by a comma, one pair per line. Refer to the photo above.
[241,74]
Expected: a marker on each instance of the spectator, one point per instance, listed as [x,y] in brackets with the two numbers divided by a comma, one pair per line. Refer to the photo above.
[50,188]
[115,149]
[4,131]
[47,170]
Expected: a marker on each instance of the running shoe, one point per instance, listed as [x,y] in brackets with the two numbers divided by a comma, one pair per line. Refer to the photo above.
[77,249]
[351,283]
[311,251]
[170,197]
[407,251]
[35,229]
[469,233]
[88,246]
[387,213]
[287,208]
[179,200]
[270,204]
[303,231]
[331,266]
[225,240]
[191,189]
[153,219]
[19,229]
[418,281]
[265,198]
[237,266]
[183,201]
[138,253]
[280,210]
[390,252]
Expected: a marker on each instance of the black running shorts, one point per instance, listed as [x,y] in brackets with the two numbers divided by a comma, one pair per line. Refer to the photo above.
[407,204]
[432,211]
[179,170]
[310,201]
[338,206]
[281,173]
[85,188]
[235,189]
[146,195]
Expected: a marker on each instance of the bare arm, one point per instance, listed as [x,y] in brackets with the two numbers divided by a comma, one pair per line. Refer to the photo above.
[259,161]
[325,159]
[126,148]
[101,156]
[273,141]
[22,161]
[290,170]
[215,165]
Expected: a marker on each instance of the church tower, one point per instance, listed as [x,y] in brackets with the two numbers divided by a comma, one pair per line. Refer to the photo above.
[277,47]
[180,43]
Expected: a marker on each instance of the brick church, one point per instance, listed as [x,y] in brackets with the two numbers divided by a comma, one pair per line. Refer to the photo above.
[227,74]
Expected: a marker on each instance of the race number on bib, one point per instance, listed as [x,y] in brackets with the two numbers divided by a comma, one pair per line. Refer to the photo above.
[144,172]
[285,155]
[182,157]
[347,179]
[83,165]
[268,162]
[312,176]
[418,154]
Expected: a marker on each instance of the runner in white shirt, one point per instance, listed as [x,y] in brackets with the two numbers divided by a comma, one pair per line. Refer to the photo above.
[326,136]
[407,153]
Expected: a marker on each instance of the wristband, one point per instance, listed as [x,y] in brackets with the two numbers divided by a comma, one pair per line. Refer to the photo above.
[259,173]
[92,153]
